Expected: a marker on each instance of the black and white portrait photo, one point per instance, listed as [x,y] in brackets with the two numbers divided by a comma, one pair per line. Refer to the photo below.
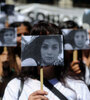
[8,37]
[76,39]
[43,50]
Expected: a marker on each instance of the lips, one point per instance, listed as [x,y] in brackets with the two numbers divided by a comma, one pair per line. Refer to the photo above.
[49,58]
[80,43]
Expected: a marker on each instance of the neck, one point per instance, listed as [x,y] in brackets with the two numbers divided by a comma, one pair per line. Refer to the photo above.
[48,72]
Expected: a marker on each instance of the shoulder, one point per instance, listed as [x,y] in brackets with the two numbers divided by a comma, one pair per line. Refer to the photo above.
[80,88]
[13,87]
[14,84]
[75,82]
[29,62]
[11,91]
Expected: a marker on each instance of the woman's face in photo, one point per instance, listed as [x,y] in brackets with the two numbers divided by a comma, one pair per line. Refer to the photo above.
[8,37]
[80,39]
[49,51]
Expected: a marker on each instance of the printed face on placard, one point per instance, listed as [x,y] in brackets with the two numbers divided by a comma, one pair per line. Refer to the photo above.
[42,51]
[80,39]
[49,51]
[76,40]
[8,37]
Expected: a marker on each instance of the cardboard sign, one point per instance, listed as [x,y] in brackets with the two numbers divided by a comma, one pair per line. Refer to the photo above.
[76,39]
[43,50]
[8,37]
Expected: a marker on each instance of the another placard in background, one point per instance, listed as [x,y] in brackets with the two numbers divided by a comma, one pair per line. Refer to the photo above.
[8,37]
[76,39]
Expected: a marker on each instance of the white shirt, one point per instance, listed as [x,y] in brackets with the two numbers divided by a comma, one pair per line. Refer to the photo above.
[80,92]
[87,75]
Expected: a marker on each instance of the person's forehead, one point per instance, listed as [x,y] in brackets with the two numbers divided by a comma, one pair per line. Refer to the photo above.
[21,29]
[80,33]
[8,32]
[50,41]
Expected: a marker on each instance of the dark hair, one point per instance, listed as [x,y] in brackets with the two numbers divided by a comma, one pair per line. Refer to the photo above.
[1,50]
[70,24]
[10,66]
[86,53]
[45,28]
[12,60]
[25,23]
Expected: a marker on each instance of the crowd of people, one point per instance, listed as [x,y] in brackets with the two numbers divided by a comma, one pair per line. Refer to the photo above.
[19,80]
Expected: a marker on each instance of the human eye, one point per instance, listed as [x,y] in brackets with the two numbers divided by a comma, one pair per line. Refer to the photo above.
[82,36]
[6,34]
[77,36]
[54,47]
[10,34]
[45,46]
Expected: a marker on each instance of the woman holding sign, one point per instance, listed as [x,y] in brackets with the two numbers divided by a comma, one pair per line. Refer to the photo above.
[69,86]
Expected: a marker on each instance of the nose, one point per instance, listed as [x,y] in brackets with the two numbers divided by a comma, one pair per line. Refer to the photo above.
[80,39]
[8,36]
[49,51]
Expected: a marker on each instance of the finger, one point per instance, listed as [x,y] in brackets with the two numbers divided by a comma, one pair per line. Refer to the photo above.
[4,58]
[78,72]
[39,92]
[74,63]
[40,97]
[76,67]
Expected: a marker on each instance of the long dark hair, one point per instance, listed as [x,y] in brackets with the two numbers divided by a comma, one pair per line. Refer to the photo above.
[70,24]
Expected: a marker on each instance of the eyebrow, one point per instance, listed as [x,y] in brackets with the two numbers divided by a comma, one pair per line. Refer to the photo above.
[48,44]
